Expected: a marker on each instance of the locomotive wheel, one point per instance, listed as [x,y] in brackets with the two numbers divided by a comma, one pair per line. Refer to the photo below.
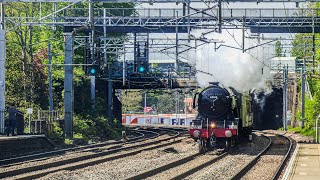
[212,142]
[228,144]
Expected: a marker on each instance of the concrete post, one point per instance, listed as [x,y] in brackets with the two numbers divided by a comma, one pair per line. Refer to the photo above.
[303,86]
[145,103]
[93,91]
[2,74]
[2,20]
[68,85]
[50,77]
[110,93]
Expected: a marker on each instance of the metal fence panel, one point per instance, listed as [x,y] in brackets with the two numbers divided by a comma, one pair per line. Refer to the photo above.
[43,125]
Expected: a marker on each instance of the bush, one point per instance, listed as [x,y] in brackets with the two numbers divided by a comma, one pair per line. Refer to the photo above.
[57,134]
[305,131]
[96,128]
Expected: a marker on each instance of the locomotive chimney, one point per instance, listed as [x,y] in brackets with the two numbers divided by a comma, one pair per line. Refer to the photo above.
[214,83]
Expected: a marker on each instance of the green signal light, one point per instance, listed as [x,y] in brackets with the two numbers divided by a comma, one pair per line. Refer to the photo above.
[92,71]
[141,69]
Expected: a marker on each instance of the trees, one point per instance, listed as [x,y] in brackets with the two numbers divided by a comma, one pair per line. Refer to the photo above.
[302,47]
[27,72]
[279,50]
[131,101]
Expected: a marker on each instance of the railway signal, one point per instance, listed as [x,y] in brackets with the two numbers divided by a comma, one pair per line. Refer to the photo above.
[92,70]
[141,54]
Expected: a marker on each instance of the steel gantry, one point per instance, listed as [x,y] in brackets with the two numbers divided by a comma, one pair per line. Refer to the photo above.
[164,1]
[272,20]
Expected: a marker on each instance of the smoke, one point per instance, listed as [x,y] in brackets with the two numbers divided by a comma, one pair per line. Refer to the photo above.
[229,66]
[260,100]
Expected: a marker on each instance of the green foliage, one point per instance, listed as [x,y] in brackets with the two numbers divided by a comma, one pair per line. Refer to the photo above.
[279,50]
[166,104]
[93,127]
[27,70]
[302,47]
[57,134]
[163,102]
[131,101]
[306,132]
[68,141]
[312,109]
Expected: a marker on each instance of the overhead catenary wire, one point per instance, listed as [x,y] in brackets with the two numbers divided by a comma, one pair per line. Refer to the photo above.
[239,43]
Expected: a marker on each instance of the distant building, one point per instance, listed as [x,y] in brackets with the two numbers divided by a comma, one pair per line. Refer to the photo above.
[277,64]
[148,109]
[189,102]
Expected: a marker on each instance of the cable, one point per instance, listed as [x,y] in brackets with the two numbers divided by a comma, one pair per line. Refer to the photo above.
[240,45]
[284,7]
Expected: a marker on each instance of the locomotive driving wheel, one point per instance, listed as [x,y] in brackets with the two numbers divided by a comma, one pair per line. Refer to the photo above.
[229,143]
[213,141]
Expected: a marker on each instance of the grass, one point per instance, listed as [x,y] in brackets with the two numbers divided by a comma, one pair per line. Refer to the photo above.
[306,132]
[68,141]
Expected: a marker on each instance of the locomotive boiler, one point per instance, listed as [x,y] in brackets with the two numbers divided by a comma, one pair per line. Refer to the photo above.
[224,117]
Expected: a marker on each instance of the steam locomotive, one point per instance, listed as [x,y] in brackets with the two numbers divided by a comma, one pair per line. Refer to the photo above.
[224,117]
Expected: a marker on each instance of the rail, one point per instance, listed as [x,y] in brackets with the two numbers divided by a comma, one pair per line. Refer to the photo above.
[244,170]
[88,160]
[32,157]
[278,171]
[280,168]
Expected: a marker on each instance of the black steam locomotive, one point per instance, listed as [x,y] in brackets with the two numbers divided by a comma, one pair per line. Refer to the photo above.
[224,115]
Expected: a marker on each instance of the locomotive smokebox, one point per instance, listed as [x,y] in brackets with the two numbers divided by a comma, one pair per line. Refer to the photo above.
[214,102]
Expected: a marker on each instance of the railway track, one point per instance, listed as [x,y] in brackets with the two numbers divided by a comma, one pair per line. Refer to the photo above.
[193,163]
[210,165]
[187,166]
[268,160]
[87,160]
[45,155]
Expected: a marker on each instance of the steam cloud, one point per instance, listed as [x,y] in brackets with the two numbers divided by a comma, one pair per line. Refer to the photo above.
[230,66]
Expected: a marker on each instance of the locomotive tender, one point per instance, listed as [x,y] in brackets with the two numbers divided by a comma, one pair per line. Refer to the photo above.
[224,116]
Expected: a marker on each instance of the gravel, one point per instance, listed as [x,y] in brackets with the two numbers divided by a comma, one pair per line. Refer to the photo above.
[73,154]
[269,162]
[299,138]
[131,165]
[228,166]
[147,160]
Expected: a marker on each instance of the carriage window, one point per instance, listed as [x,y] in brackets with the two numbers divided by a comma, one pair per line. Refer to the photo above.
[249,107]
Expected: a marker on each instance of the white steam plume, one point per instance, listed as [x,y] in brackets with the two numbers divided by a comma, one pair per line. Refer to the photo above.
[227,65]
